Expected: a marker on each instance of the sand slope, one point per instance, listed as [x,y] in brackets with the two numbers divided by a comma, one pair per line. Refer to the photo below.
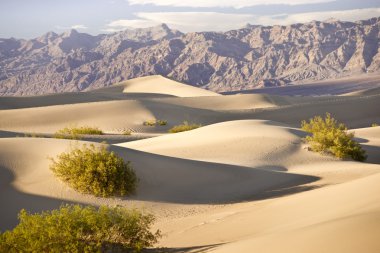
[238,102]
[369,138]
[245,142]
[114,116]
[110,116]
[161,85]
[340,218]
[244,182]
[139,88]
[355,112]
[257,144]
[343,218]
[163,179]
[352,85]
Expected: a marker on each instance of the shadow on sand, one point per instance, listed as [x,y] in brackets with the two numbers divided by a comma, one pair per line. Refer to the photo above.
[194,249]
[13,201]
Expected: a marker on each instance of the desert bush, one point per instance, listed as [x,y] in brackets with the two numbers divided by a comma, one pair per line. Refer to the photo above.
[96,171]
[73,228]
[186,126]
[330,136]
[76,132]
[154,122]
[149,122]
[33,135]
[162,122]
[374,125]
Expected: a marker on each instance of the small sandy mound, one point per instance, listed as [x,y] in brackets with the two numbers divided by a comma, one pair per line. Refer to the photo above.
[161,85]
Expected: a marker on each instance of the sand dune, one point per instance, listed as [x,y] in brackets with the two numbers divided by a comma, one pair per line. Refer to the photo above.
[139,88]
[243,182]
[245,142]
[237,102]
[110,116]
[353,85]
[341,218]
[161,85]
[71,98]
[163,179]
[365,92]
[258,144]
[355,112]
[370,140]
[114,116]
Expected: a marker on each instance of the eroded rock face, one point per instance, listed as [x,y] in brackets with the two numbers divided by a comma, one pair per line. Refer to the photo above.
[254,56]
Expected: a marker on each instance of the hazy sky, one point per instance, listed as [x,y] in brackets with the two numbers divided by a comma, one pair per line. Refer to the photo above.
[32,18]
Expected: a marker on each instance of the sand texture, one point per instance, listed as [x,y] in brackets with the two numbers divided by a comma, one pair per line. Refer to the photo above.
[244,181]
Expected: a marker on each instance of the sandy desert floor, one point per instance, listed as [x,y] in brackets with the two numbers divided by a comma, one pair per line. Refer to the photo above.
[243,182]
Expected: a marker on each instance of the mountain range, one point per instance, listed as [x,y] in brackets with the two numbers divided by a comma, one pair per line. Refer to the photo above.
[246,58]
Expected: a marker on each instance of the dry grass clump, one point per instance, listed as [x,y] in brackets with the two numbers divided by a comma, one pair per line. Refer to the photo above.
[76,132]
[186,126]
[127,132]
[154,122]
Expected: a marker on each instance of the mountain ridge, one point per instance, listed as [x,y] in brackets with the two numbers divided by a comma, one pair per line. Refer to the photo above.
[246,58]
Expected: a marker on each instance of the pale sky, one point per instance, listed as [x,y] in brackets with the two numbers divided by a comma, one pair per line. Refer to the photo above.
[32,18]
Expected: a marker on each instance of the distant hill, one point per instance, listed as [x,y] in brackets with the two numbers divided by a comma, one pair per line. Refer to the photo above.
[247,58]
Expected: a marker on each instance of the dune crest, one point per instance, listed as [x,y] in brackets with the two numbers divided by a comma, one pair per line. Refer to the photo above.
[160,85]
[243,182]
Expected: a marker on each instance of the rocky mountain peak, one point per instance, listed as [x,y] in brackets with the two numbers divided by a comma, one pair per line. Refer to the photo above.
[70,33]
[49,36]
[254,56]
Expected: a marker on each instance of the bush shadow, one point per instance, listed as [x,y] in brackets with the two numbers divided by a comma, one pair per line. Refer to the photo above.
[193,249]
[182,181]
[14,200]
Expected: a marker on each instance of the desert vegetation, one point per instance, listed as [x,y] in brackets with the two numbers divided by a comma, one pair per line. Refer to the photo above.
[95,170]
[33,135]
[155,122]
[185,126]
[327,135]
[73,228]
[76,132]
[127,132]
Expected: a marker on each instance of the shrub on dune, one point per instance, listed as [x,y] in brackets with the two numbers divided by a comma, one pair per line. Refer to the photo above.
[127,132]
[327,135]
[96,171]
[149,123]
[154,122]
[186,126]
[162,122]
[76,132]
[73,228]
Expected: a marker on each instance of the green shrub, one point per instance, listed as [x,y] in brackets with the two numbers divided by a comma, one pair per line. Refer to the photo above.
[154,122]
[374,125]
[76,132]
[73,228]
[186,126]
[162,122]
[96,171]
[329,136]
